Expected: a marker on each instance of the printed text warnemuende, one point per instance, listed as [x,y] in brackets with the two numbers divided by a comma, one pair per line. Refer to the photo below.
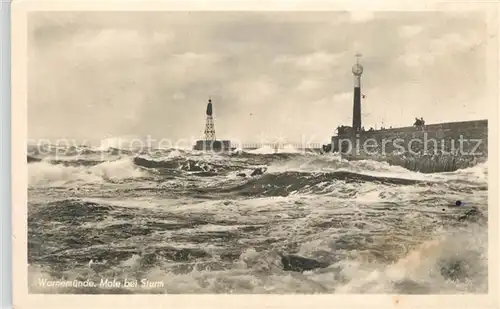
[103,283]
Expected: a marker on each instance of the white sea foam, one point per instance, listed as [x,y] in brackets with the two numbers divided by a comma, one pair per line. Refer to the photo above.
[421,270]
[44,173]
[270,150]
[379,237]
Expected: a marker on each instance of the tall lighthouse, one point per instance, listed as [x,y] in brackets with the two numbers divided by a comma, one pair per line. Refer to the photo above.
[357,70]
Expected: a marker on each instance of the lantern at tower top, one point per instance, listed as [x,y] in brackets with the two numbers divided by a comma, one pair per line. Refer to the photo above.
[357,69]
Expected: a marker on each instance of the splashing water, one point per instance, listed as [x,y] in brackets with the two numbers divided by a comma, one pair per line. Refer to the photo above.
[189,222]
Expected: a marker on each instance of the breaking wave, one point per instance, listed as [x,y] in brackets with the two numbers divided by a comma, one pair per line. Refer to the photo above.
[270,150]
[202,223]
[46,173]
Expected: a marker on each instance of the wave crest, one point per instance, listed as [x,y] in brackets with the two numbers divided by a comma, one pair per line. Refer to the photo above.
[286,183]
[45,173]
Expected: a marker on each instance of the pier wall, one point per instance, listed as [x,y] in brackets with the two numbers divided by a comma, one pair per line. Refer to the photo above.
[433,148]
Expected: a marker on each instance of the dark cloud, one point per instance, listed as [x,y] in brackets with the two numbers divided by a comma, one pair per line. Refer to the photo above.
[98,74]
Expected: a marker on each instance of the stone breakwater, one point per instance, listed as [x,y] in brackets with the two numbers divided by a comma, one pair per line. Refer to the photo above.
[435,163]
[433,148]
[425,163]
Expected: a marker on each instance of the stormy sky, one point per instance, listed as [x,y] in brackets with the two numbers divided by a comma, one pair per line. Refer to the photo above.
[280,75]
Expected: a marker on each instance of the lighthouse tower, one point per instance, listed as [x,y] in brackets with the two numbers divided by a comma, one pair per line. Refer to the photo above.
[209,126]
[357,70]
[210,143]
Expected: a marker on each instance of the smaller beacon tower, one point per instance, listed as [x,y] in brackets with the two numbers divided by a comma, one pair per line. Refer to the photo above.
[357,70]
[209,126]
[210,143]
